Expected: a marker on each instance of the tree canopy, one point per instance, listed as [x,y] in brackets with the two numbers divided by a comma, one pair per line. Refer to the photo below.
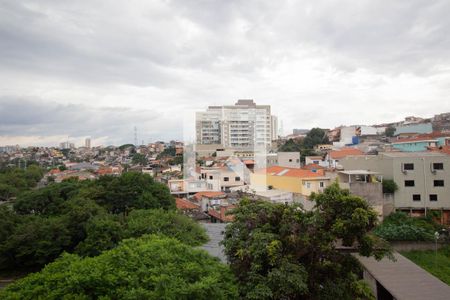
[152,267]
[14,181]
[280,251]
[88,217]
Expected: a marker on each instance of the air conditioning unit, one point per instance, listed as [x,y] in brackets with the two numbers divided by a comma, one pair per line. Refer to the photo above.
[403,169]
[432,169]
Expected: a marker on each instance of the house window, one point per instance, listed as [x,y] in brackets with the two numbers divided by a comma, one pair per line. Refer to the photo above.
[210,177]
[438,182]
[438,166]
[298,160]
[237,178]
[409,182]
[308,185]
[416,197]
[315,162]
[433,197]
[408,167]
[226,179]
[321,184]
[290,159]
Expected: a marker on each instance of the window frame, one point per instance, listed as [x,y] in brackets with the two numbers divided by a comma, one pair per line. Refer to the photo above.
[429,197]
[409,181]
[404,168]
[439,181]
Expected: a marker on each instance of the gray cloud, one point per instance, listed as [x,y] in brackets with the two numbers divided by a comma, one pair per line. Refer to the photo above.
[98,67]
[33,117]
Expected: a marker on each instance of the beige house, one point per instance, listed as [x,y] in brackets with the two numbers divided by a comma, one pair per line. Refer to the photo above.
[423,178]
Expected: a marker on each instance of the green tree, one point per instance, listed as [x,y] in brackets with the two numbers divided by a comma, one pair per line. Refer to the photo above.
[291,146]
[281,251]
[389,186]
[315,137]
[149,268]
[34,242]
[103,232]
[169,223]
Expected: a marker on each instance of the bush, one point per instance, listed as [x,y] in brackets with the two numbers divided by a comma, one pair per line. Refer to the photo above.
[400,227]
[152,267]
[389,186]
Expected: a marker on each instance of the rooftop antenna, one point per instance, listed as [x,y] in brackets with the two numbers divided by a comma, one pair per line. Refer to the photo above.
[135,136]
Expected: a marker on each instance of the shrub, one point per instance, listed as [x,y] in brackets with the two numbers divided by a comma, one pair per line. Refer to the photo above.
[152,267]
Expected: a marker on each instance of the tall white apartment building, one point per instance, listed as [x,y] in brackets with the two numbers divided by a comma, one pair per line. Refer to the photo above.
[244,125]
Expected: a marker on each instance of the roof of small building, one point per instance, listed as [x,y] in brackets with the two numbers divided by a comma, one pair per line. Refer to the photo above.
[208,194]
[312,167]
[358,172]
[291,172]
[412,154]
[185,204]
[337,154]
[404,279]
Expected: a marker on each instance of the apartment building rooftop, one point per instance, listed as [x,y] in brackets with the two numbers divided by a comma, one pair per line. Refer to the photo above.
[413,154]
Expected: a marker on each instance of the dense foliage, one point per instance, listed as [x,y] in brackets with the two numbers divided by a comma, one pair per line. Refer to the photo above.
[400,227]
[281,251]
[151,267]
[88,217]
[14,181]
[389,186]
[306,145]
[116,194]
[437,263]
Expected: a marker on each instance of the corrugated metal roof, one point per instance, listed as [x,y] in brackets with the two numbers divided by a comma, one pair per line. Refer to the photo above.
[404,279]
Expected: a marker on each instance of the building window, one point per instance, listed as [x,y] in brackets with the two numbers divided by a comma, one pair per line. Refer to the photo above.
[226,179]
[298,160]
[315,162]
[308,185]
[210,177]
[433,197]
[237,178]
[416,197]
[321,184]
[409,182]
[290,159]
[438,183]
[408,167]
[438,166]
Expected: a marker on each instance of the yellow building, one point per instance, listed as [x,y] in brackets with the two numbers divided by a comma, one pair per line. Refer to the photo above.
[293,180]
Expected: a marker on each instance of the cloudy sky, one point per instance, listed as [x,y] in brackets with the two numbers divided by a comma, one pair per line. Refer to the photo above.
[72,69]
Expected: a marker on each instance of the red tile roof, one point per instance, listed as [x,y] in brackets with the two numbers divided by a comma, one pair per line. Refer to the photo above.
[185,204]
[312,167]
[423,137]
[208,194]
[344,152]
[441,149]
[291,172]
[221,214]
[54,171]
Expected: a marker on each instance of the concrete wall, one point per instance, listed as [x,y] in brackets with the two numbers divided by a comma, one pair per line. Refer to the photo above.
[412,245]
[289,159]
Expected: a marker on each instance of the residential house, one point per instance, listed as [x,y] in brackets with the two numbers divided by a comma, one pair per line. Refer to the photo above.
[298,181]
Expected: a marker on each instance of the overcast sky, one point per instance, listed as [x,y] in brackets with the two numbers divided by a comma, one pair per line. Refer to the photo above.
[98,68]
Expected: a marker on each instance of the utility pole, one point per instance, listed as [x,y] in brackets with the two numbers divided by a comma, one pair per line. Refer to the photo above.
[135,137]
